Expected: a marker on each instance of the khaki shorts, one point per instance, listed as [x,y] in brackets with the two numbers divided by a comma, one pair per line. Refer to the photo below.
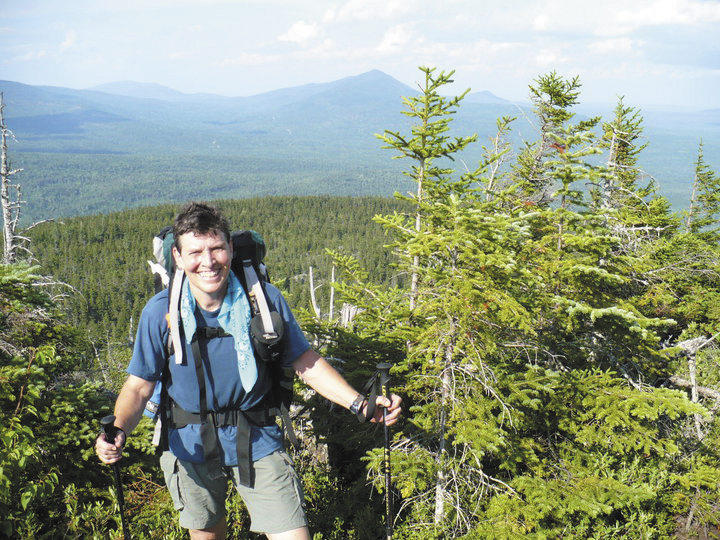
[275,503]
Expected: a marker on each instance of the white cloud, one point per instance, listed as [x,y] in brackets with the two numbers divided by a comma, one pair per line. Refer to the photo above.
[541,23]
[607,18]
[548,59]
[32,55]
[613,46]
[301,33]
[69,41]
[395,38]
[367,10]
[656,12]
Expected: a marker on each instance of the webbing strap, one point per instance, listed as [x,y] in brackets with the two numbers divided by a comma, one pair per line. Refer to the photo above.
[257,294]
[179,418]
[287,425]
[209,424]
[211,447]
[242,448]
[258,415]
[208,433]
[371,390]
[200,375]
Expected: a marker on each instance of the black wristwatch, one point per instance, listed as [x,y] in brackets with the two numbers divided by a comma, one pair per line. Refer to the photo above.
[356,407]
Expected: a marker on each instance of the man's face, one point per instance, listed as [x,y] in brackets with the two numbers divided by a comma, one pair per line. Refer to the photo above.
[205,258]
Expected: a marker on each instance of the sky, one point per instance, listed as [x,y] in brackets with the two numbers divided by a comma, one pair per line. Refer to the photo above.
[650,52]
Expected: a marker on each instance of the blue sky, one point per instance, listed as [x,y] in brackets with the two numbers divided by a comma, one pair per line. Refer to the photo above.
[649,51]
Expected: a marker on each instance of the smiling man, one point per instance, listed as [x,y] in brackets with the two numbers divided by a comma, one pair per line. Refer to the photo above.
[231,442]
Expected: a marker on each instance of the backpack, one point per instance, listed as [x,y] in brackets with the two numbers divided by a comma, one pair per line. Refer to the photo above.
[266,325]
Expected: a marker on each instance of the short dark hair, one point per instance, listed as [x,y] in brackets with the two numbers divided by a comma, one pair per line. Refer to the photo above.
[199,218]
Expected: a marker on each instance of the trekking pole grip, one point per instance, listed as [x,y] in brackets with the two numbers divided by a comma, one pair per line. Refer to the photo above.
[108,427]
[384,371]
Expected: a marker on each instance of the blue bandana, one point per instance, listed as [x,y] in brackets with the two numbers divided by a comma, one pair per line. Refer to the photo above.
[234,318]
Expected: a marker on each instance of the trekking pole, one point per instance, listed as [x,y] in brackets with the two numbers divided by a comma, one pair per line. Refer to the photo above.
[384,371]
[108,427]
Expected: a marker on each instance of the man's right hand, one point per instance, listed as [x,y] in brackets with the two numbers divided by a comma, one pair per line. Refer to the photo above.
[128,411]
[110,452]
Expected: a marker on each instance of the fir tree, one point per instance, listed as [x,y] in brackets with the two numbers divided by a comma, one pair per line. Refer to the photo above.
[703,216]
[552,97]
[428,143]
[628,196]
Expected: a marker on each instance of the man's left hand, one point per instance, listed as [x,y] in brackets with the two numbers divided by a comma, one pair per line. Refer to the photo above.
[393,406]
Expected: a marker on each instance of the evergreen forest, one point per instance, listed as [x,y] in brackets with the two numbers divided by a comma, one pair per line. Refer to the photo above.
[551,323]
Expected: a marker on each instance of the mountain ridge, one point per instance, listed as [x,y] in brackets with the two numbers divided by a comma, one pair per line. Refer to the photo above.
[88,151]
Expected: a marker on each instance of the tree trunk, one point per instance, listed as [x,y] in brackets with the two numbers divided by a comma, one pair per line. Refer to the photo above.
[606,187]
[418,224]
[332,295]
[440,480]
[315,307]
[445,404]
[692,368]
[10,251]
[691,210]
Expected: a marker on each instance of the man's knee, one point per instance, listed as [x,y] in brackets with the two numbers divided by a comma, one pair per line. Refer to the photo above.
[303,533]
[216,532]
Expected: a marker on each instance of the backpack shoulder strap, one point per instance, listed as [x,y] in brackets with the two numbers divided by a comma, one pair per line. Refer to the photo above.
[174,314]
[258,301]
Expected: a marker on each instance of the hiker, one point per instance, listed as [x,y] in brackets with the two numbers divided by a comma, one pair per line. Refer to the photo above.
[202,455]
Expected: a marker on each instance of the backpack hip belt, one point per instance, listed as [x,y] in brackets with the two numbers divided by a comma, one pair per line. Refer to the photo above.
[260,415]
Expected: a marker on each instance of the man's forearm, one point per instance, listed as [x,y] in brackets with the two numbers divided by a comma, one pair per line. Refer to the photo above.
[324,379]
[131,403]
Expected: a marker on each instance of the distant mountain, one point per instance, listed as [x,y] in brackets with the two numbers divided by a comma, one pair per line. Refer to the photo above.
[483,97]
[124,145]
[127,144]
[367,98]
[369,82]
[140,90]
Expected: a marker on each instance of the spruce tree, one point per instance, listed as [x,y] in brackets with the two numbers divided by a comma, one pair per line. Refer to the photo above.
[625,193]
[552,97]
[530,369]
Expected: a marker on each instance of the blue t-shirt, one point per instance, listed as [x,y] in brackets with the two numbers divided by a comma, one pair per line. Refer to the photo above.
[222,379]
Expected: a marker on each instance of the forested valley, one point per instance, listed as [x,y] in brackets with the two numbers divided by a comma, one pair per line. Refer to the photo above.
[103,258]
[551,323]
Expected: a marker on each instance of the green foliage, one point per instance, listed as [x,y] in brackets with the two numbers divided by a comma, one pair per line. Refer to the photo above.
[48,408]
[704,213]
[535,365]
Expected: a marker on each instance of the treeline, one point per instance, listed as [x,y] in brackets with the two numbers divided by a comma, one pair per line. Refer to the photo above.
[103,258]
